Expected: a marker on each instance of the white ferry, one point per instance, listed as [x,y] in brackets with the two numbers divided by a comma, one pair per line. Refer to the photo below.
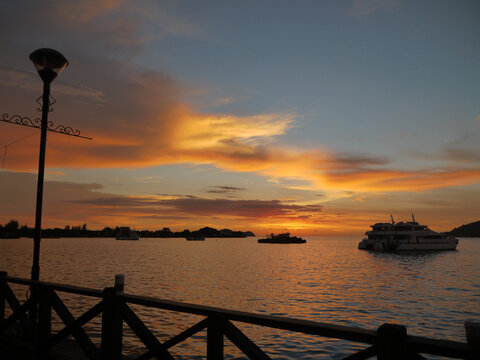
[405,236]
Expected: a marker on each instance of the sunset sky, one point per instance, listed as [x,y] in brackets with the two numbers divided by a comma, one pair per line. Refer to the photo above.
[320,117]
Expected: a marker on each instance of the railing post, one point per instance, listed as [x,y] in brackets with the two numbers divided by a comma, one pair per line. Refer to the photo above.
[472,331]
[112,321]
[391,342]
[3,280]
[214,339]
[119,284]
[44,325]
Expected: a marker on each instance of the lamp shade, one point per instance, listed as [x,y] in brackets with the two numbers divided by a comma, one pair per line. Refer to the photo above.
[48,62]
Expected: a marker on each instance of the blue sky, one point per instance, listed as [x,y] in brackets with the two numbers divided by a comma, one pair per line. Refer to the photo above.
[404,71]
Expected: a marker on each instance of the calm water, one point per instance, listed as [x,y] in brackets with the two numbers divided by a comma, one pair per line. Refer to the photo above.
[325,280]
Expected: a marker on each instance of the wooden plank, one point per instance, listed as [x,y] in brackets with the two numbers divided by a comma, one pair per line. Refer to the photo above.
[15,305]
[144,334]
[44,324]
[3,283]
[16,315]
[363,354]
[448,348]
[58,287]
[215,338]
[78,323]
[416,356]
[391,342]
[79,334]
[297,325]
[186,334]
[112,325]
[247,346]
[177,339]
[416,344]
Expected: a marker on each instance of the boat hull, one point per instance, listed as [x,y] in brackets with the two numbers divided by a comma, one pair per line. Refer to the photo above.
[127,238]
[385,245]
[270,241]
[126,233]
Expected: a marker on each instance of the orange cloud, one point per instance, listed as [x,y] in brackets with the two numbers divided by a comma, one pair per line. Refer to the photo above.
[76,203]
[66,202]
[166,131]
[393,180]
[137,120]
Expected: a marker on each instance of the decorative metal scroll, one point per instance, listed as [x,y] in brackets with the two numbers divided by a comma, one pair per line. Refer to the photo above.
[50,103]
[37,123]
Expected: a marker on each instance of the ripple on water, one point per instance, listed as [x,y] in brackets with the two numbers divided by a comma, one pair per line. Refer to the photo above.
[326,280]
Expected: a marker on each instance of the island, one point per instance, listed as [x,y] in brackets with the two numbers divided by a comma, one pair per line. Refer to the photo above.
[468,230]
[12,230]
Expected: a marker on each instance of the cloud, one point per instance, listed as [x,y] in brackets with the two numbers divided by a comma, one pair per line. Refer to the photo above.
[28,80]
[197,206]
[105,26]
[68,202]
[397,180]
[77,203]
[462,155]
[364,8]
[141,124]
[137,118]
[229,190]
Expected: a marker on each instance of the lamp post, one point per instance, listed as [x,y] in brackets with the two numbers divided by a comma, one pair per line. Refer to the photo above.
[49,63]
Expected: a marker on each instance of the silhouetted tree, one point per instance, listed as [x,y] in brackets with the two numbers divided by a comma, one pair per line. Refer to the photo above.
[12,226]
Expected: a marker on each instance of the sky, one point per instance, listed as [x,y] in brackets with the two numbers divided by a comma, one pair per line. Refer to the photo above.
[320,117]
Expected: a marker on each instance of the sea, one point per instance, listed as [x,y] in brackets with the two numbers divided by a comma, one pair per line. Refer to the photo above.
[327,280]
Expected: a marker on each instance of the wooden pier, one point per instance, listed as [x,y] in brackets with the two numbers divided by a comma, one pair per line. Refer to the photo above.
[22,337]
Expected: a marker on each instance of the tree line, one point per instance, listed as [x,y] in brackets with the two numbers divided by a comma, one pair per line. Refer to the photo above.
[12,229]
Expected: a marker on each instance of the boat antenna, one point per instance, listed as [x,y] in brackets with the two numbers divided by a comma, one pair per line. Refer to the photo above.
[413,217]
[391,217]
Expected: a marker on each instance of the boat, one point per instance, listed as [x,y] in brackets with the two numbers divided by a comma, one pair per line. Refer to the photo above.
[195,237]
[126,233]
[405,236]
[283,238]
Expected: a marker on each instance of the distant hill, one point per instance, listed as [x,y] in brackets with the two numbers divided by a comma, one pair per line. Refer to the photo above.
[469,230]
[225,233]
[12,230]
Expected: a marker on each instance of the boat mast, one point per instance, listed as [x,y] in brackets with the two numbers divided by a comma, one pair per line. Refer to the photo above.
[391,217]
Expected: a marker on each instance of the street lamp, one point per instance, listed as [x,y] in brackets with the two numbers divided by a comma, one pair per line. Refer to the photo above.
[49,63]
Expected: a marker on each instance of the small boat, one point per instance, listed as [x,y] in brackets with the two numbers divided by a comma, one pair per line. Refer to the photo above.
[195,237]
[126,233]
[405,236]
[283,238]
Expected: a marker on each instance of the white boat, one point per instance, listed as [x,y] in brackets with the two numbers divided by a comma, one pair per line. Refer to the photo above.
[126,233]
[197,237]
[405,236]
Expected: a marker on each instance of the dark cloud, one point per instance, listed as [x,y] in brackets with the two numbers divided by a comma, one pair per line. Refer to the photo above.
[358,160]
[68,202]
[462,155]
[200,206]
[229,190]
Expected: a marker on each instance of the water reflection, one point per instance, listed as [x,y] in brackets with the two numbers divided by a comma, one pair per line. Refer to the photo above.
[327,280]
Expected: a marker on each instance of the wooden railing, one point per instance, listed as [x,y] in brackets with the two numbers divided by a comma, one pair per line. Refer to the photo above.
[389,341]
